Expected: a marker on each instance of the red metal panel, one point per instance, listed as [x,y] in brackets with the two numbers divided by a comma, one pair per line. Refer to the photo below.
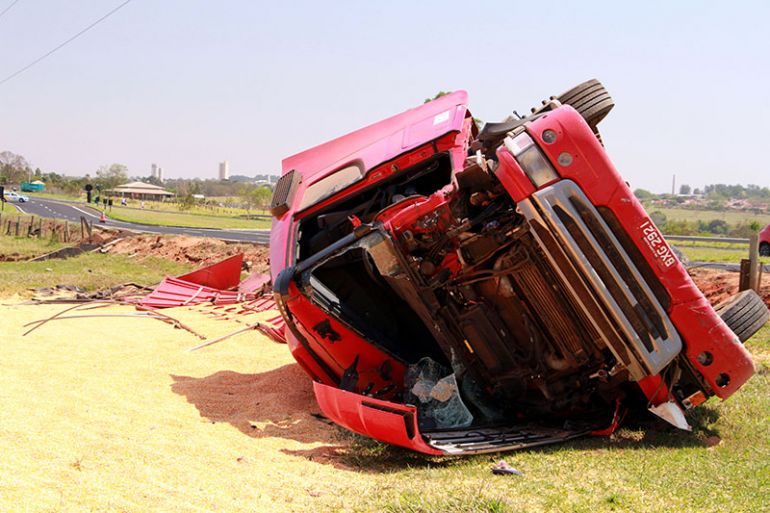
[223,275]
[173,292]
[383,140]
[510,174]
[340,353]
[695,320]
[254,283]
[389,422]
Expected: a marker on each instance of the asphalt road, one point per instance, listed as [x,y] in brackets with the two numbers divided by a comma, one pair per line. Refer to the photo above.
[73,212]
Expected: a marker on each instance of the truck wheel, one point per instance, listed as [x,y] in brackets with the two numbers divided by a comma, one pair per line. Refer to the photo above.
[590,99]
[764,249]
[744,313]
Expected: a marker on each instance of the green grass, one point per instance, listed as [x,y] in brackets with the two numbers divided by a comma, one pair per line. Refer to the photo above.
[206,210]
[732,217]
[91,271]
[25,247]
[188,220]
[164,206]
[645,467]
[701,251]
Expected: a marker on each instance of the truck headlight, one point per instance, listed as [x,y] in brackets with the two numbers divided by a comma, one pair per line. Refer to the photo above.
[531,159]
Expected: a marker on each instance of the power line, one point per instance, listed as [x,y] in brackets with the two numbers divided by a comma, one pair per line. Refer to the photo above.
[62,45]
[8,8]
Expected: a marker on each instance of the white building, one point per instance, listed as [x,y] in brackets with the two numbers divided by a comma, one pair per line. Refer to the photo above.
[224,170]
[156,171]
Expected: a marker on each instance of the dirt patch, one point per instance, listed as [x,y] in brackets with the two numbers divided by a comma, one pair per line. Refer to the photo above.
[13,257]
[199,251]
[277,403]
[718,285]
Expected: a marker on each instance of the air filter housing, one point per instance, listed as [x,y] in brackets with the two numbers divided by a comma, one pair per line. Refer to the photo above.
[284,192]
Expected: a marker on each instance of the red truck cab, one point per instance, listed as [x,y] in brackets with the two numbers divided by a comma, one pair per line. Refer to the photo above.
[455,291]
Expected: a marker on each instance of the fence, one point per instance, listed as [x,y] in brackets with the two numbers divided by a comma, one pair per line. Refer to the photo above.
[706,239]
[39,227]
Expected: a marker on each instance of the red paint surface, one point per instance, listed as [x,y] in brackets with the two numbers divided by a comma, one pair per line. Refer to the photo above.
[222,275]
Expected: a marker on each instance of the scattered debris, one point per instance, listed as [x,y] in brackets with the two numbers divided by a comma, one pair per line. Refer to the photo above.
[224,337]
[144,312]
[244,298]
[502,468]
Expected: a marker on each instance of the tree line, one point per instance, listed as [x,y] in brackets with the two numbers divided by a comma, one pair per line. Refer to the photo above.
[15,169]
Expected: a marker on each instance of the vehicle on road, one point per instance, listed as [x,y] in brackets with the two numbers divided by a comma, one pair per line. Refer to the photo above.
[15,197]
[764,241]
[455,290]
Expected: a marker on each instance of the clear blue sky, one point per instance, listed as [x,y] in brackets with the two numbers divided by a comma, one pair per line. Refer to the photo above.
[187,83]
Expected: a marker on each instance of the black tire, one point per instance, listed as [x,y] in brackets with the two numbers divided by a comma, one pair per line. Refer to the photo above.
[744,313]
[590,99]
[764,249]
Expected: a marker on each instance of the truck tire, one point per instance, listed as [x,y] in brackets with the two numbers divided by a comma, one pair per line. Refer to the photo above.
[744,313]
[590,99]
[764,249]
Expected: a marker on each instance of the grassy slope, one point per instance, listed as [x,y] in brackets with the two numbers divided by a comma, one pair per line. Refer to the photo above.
[90,271]
[169,218]
[640,468]
[26,247]
[702,254]
[135,423]
[637,469]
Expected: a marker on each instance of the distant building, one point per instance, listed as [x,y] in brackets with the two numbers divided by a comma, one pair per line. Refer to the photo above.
[224,170]
[156,172]
[140,191]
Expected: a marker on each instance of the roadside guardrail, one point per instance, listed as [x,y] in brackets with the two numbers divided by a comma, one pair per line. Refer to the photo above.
[706,239]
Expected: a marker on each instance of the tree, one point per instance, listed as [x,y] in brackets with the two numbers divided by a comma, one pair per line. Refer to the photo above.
[14,168]
[437,96]
[112,176]
[660,219]
[685,189]
[643,194]
[255,197]
[154,180]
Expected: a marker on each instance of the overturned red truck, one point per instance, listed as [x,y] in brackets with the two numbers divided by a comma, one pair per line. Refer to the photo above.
[456,291]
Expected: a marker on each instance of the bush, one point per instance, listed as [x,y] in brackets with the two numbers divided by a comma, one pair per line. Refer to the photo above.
[715,226]
[745,230]
[682,228]
[659,218]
